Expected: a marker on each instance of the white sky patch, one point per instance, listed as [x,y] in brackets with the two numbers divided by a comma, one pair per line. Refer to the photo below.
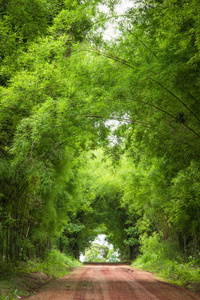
[82,258]
[113,125]
[125,4]
[101,241]
[112,30]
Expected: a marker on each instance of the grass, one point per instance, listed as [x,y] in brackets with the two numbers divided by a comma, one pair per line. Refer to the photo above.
[30,275]
[182,274]
[164,260]
[56,265]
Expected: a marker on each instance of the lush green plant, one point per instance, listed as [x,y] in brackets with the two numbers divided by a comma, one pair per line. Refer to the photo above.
[64,170]
[113,256]
[56,264]
[163,258]
[97,253]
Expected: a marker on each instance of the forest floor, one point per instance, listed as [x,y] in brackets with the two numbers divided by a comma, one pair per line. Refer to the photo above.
[111,282]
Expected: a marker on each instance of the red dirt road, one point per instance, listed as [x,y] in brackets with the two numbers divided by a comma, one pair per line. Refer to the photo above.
[105,282]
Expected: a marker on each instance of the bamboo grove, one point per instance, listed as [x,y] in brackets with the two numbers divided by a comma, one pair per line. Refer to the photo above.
[66,172]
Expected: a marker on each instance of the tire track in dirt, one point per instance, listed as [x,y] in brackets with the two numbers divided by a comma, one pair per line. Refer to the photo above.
[123,287]
[158,289]
[89,286]
[103,282]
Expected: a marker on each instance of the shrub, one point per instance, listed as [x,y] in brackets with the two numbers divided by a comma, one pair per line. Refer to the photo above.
[163,259]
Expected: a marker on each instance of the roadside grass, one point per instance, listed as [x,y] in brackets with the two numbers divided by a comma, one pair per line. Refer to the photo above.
[182,274]
[55,265]
[164,260]
[8,289]
[26,277]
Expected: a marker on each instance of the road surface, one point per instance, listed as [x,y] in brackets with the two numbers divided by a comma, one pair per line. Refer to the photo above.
[117,282]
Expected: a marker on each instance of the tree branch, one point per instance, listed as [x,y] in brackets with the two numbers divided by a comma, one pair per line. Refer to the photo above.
[126,63]
[164,111]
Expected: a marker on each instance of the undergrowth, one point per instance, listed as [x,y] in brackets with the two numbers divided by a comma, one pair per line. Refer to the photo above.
[13,283]
[164,260]
[55,265]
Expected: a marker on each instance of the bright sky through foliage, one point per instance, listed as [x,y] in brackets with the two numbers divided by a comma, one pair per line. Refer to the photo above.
[100,239]
[112,31]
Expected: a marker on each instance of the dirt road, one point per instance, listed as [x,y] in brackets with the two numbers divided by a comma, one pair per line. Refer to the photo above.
[104,282]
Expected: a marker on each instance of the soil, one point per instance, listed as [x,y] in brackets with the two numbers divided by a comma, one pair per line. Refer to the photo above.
[116,282]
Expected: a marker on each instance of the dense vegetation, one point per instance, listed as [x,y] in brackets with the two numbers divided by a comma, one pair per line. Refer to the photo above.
[66,173]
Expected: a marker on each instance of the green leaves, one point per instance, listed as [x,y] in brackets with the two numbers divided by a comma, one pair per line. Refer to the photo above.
[59,94]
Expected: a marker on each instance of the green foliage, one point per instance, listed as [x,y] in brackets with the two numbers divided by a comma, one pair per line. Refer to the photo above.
[96,253]
[39,139]
[103,187]
[165,259]
[65,173]
[113,256]
[58,264]
[13,282]
[6,270]
[100,253]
